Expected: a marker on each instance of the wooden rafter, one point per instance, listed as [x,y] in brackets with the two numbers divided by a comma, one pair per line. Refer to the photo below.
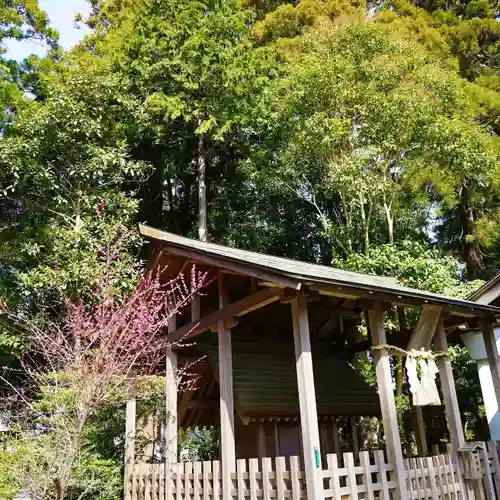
[228,265]
[239,308]
[463,310]
[155,257]
[327,327]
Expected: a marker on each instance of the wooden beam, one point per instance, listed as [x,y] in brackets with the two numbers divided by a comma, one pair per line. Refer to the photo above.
[449,392]
[205,404]
[423,333]
[205,258]
[289,294]
[228,451]
[239,308]
[327,326]
[307,400]
[490,345]
[467,311]
[333,320]
[130,431]
[387,402]
[171,413]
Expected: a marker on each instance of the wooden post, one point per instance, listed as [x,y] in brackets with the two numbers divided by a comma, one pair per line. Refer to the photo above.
[261,440]
[171,413]
[422,337]
[228,452]
[449,392]
[307,400]
[195,307]
[276,439]
[387,403]
[354,434]
[425,328]
[493,360]
[130,430]
[417,419]
[336,438]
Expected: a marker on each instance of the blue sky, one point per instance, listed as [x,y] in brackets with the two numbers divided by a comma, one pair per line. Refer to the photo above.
[61,14]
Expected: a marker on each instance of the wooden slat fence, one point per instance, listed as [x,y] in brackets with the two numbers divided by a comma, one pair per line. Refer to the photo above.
[490,468]
[368,477]
[434,477]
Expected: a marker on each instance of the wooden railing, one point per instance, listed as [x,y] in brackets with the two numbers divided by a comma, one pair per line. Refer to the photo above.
[434,477]
[490,469]
[369,476]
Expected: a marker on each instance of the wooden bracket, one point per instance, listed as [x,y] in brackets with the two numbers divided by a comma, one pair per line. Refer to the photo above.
[290,294]
[365,304]
[228,323]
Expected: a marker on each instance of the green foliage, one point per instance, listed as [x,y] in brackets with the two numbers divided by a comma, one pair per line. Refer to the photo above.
[201,442]
[39,438]
[469,397]
[19,20]
[64,175]
[369,141]
[413,264]
[359,124]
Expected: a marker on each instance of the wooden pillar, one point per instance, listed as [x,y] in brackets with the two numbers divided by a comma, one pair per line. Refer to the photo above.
[354,436]
[276,439]
[171,413]
[228,452]
[130,431]
[417,419]
[261,440]
[195,307]
[387,402]
[307,400]
[336,438]
[493,360]
[422,337]
[449,392]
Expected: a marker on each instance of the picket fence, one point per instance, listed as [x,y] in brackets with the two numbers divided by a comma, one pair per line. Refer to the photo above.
[368,476]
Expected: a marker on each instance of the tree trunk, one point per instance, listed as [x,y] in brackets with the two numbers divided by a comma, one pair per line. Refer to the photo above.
[365,224]
[78,215]
[63,479]
[170,196]
[202,189]
[390,221]
[153,198]
[470,245]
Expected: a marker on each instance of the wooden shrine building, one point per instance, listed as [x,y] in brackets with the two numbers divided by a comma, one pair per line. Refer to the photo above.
[274,337]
